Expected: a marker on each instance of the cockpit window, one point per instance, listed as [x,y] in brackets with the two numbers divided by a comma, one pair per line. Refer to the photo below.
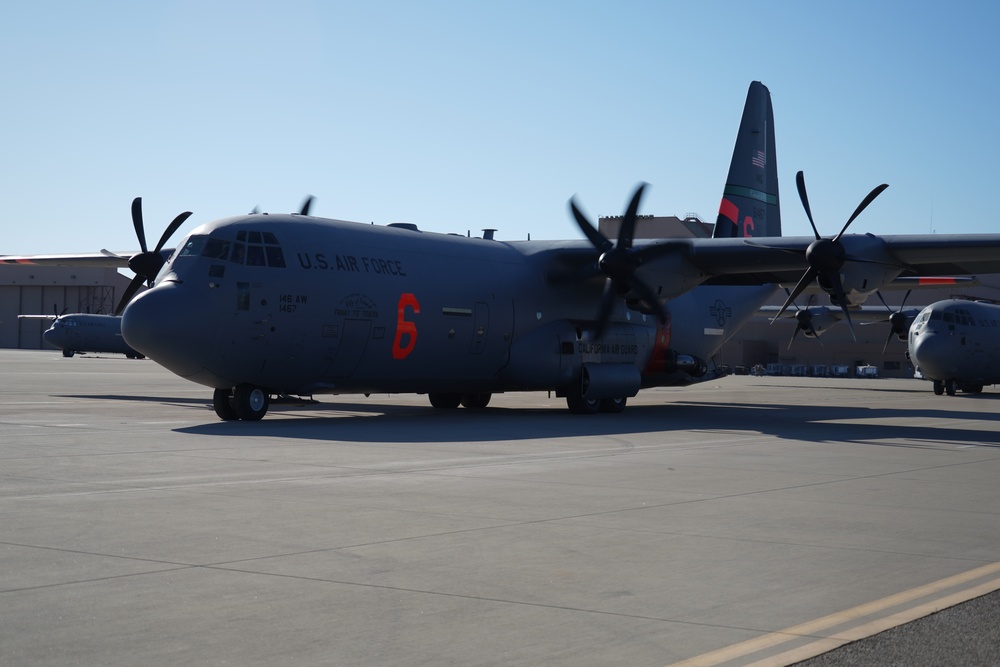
[193,246]
[261,249]
[255,255]
[274,256]
[239,253]
[216,249]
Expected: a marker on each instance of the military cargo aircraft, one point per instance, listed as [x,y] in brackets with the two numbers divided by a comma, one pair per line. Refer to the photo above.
[954,344]
[260,305]
[86,332]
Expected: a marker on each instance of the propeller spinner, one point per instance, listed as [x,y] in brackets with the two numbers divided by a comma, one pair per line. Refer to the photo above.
[618,262]
[147,263]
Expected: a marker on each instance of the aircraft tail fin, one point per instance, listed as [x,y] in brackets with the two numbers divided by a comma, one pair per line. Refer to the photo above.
[749,205]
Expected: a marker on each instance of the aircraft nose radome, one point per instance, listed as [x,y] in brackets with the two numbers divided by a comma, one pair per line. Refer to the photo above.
[931,355]
[172,325]
[49,336]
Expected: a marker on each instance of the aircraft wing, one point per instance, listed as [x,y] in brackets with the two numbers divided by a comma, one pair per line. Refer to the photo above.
[89,260]
[862,314]
[780,260]
[945,254]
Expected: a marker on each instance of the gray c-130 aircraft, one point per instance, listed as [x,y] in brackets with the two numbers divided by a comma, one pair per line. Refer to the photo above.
[955,344]
[260,305]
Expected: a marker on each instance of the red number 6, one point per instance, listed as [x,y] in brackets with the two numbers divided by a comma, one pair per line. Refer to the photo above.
[404,327]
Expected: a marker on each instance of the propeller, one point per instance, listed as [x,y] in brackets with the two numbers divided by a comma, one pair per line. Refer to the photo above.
[827,255]
[803,322]
[618,262]
[147,263]
[306,205]
[303,210]
[898,322]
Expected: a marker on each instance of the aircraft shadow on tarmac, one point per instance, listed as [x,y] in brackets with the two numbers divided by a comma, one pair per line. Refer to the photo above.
[368,422]
[200,402]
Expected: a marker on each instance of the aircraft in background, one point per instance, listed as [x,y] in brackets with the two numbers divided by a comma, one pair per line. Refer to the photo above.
[85,332]
[814,321]
[259,305]
[954,344]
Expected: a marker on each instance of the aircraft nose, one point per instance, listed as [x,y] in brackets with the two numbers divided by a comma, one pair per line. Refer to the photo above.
[930,353]
[174,326]
[50,337]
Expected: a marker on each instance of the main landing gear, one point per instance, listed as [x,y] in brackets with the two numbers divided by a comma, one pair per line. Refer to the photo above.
[450,401]
[579,405]
[244,401]
[951,387]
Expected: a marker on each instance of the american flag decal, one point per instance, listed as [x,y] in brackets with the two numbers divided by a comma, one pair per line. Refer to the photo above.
[758,159]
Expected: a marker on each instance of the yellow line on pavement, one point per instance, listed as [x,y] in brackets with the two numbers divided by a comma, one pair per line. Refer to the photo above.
[818,625]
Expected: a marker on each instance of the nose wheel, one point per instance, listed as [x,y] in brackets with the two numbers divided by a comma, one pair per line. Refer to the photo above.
[244,401]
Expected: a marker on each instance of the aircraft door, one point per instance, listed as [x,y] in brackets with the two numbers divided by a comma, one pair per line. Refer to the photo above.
[354,335]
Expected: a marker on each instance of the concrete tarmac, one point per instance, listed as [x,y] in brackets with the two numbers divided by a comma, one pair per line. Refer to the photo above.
[741,521]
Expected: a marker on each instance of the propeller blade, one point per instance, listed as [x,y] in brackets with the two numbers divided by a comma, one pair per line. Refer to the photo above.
[807,277]
[130,291]
[137,222]
[800,184]
[876,191]
[306,205]
[795,332]
[879,295]
[171,228]
[604,312]
[649,298]
[627,232]
[838,291]
[597,239]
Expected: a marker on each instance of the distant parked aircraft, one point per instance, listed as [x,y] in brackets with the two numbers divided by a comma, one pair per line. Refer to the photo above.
[956,345]
[84,332]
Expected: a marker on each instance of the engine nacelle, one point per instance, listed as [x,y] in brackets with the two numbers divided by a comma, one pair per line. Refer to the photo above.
[610,381]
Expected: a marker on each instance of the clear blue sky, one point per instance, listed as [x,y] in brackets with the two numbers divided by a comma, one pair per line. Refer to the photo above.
[464,115]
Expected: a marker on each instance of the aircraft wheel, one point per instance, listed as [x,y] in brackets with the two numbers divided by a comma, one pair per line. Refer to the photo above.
[476,401]
[445,401]
[68,353]
[250,402]
[613,405]
[222,401]
[579,405]
[951,387]
[938,387]
[973,388]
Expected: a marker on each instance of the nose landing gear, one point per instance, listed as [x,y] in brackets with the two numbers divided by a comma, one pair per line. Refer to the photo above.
[244,401]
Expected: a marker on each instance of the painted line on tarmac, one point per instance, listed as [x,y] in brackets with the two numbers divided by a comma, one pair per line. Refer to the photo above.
[814,628]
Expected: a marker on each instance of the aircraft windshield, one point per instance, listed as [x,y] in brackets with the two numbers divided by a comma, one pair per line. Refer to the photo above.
[254,248]
[251,248]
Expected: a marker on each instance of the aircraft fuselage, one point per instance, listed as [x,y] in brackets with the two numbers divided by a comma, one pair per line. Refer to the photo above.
[300,306]
[954,344]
